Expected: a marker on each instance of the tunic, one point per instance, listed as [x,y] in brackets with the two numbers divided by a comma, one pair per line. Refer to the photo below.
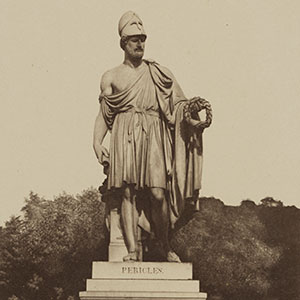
[143,152]
[140,144]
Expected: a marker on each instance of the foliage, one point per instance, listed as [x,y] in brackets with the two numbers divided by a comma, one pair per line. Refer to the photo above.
[270,202]
[246,252]
[48,253]
[228,248]
[283,230]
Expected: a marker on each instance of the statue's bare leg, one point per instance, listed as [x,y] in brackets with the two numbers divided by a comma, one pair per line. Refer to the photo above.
[160,218]
[129,217]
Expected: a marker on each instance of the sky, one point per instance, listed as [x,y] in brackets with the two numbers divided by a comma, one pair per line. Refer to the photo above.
[242,56]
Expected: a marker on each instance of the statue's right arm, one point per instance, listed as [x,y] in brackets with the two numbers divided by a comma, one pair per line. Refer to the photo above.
[100,128]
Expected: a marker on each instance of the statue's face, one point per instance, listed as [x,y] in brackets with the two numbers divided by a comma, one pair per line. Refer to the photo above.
[135,46]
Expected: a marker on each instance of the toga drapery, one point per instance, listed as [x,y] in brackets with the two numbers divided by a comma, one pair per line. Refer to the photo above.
[150,144]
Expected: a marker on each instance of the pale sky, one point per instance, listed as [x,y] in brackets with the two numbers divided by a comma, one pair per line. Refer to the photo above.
[242,56]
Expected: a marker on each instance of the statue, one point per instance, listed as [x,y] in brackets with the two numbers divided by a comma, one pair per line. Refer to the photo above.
[155,153]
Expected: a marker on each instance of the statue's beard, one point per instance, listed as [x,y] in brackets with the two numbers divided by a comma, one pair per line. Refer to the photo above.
[139,52]
[136,53]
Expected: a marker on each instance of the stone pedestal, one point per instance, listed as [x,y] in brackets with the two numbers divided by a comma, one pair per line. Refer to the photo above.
[116,249]
[118,280]
[142,280]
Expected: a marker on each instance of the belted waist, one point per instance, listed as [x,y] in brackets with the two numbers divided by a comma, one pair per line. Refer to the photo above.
[142,113]
[138,110]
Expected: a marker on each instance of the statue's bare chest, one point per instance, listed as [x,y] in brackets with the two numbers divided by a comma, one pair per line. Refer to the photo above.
[124,78]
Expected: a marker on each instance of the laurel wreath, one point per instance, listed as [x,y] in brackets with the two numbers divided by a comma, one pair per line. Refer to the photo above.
[195,105]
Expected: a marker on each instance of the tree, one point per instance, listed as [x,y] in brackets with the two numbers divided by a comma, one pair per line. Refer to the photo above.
[270,202]
[48,253]
[228,250]
[246,252]
[283,230]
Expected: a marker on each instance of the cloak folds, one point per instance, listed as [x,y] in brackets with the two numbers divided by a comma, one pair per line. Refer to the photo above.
[155,101]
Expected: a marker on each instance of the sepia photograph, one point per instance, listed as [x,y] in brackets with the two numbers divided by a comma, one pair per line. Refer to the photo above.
[150,150]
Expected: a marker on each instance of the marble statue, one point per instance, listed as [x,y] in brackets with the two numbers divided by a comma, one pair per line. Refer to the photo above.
[155,152]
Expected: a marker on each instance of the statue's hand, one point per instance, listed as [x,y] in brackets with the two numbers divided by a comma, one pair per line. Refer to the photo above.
[195,105]
[102,154]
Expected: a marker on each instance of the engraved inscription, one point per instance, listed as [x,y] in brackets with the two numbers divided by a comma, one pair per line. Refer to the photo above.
[142,270]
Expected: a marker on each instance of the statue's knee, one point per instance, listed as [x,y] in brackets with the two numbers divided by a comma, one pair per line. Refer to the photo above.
[127,193]
[158,195]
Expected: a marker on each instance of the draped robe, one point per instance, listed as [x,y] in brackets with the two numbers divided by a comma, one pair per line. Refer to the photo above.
[150,144]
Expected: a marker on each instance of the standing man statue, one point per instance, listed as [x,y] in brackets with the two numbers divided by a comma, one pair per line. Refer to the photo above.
[153,146]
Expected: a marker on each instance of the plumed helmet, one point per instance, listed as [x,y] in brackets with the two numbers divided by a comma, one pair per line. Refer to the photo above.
[131,24]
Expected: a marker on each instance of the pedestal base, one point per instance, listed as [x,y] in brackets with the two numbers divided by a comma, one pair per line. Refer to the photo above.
[142,280]
[141,296]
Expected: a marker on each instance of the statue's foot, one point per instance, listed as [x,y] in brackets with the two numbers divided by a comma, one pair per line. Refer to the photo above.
[131,257]
[173,257]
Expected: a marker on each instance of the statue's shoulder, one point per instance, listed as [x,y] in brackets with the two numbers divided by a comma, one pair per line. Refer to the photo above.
[167,71]
[111,73]
[110,76]
[164,69]
[151,61]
